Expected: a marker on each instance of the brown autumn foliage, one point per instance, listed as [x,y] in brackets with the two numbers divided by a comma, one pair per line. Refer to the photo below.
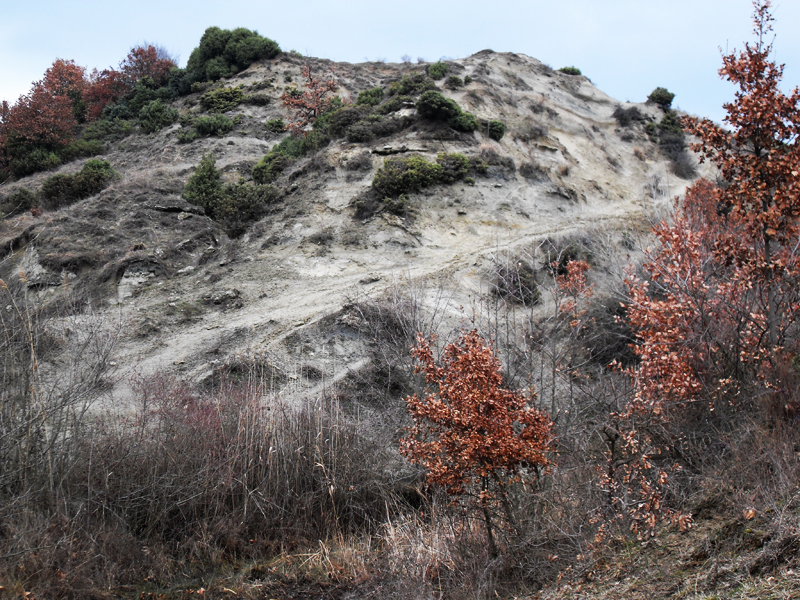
[48,114]
[311,103]
[473,436]
[103,88]
[721,308]
[716,315]
[146,61]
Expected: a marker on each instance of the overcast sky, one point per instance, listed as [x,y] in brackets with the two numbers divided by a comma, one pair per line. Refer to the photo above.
[626,47]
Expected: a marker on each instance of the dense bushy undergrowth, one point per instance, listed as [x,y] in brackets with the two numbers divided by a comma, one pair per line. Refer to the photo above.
[180,482]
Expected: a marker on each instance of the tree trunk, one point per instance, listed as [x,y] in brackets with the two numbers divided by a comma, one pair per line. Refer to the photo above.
[487,518]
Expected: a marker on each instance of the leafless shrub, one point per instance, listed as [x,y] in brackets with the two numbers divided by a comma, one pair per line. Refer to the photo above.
[54,366]
[515,281]
[199,478]
[392,322]
[492,157]
[530,131]
[533,171]
[359,162]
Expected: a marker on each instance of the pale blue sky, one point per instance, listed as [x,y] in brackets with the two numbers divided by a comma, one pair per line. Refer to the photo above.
[626,47]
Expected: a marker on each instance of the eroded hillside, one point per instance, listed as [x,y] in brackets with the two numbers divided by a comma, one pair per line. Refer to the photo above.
[191,299]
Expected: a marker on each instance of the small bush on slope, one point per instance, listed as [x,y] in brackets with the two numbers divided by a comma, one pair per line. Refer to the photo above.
[155,115]
[222,99]
[234,207]
[437,70]
[406,174]
[62,190]
[17,203]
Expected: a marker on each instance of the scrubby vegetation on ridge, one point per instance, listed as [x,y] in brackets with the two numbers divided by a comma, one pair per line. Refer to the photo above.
[38,132]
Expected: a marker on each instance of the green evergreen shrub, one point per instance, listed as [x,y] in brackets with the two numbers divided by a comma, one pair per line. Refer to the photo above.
[454,82]
[223,52]
[321,123]
[465,122]
[57,191]
[662,97]
[570,70]
[204,188]
[376,126]
[223,99]
[218,68]
[360,132]
[394,104]
[479,166]
[94,177]
[671,140]
[145,91]
[187,135]
[180,82]
[276,125]
[107,130]
[242,205]
[670,123]
[437,70]
[496,129]
[235,207]
[467,80]
[454,167]
[81,149]
[155,115]
[62,190]
[341,119]
[24,163]
[244,47]
[300,146]
[269,168]
[371,97]
[405,174]
[217,125]
[433,105]
[411,85]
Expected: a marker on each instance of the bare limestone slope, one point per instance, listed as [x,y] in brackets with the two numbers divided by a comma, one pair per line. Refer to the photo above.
[191,299]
